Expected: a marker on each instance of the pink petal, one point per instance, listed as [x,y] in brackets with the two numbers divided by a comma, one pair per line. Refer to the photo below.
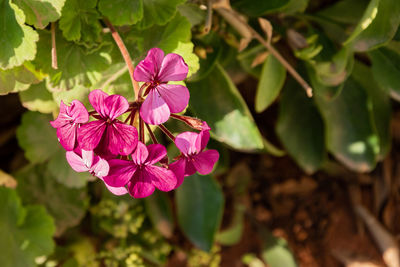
[178,167]
[156,153]
[202,140]
[118,191]
[176,96]
[78,112]
[139,187]
[67,136]
[120,173]
[89,134]
[100,168]
[154,110]
[186,143]
[204,162]
[121,138]
[141,153]
[115,106]
[147,69]
[162,178]
[62,118]
[173,68]
[190,169]
[97,98]
[76,162]
[87,157]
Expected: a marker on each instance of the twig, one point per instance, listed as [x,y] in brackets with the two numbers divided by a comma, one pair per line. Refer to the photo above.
[208,23]
[125,55]
[54,64]
[152,136]
[141,130]
[166,131]
[244,29]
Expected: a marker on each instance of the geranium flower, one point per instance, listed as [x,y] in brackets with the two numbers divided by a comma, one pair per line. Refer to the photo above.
[88,162]
[162,99]
[193,157]
[141,175]
[107,134]
[68,121]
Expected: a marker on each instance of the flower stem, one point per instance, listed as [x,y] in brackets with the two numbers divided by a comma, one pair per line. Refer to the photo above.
[153,137]
[125,55]
[166,131]
[54,64]
[141,129]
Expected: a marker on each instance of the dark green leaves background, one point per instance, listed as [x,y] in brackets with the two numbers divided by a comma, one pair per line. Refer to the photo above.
[349,51]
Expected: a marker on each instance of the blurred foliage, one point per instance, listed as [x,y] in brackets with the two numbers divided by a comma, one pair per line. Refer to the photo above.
[347,50]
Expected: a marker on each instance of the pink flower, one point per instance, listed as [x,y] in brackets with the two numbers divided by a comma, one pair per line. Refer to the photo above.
[107,134]
[193,157]
[97,166]
[141,175]
[68,121]
[162,99]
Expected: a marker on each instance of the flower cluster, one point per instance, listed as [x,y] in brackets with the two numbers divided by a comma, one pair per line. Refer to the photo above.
[115,151]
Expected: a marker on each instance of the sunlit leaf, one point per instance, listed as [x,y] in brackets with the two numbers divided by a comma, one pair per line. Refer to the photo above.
[16,79]
[276,252]
[26,232]
[18,41]
[40,13]
[200,204]
[38,98]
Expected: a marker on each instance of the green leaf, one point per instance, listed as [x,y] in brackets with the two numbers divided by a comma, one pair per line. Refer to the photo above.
[36,136]
[300,128]
[386,70]
[122,12]
[233,234]
[18,41]
[16,79]
[26,232]
[258,8]
[158,12]
[75,64]
[59,168]
[276,252]
[200,204]
[78,92]
[40,13]
[159,209]
[379,106]
[66,205]
[247,57]
[350,136]
[186,51]
[165,37]
[193,13]
[229,119]
[38,98]
[377,26]
[344,11]
[273,76]
[80,21]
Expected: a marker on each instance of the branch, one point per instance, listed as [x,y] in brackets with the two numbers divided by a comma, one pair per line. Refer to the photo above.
[125,55]
[247,32]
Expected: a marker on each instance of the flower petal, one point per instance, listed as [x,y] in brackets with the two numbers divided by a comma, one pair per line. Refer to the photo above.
[204,161]
[115,106]
[173,68]
[78,112]
[162,178]
[120,173]
[190,169]
[178,167]
[67,136]
[76,162]
[202,140]
[89,134]
[176,96]
[121,138]
[186,142]
[62,118]
[100,168]
[141,153]
[139,187]
[154,110]
[156,153]
[97,98]
[147,70]
[87,157]
[118,191]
